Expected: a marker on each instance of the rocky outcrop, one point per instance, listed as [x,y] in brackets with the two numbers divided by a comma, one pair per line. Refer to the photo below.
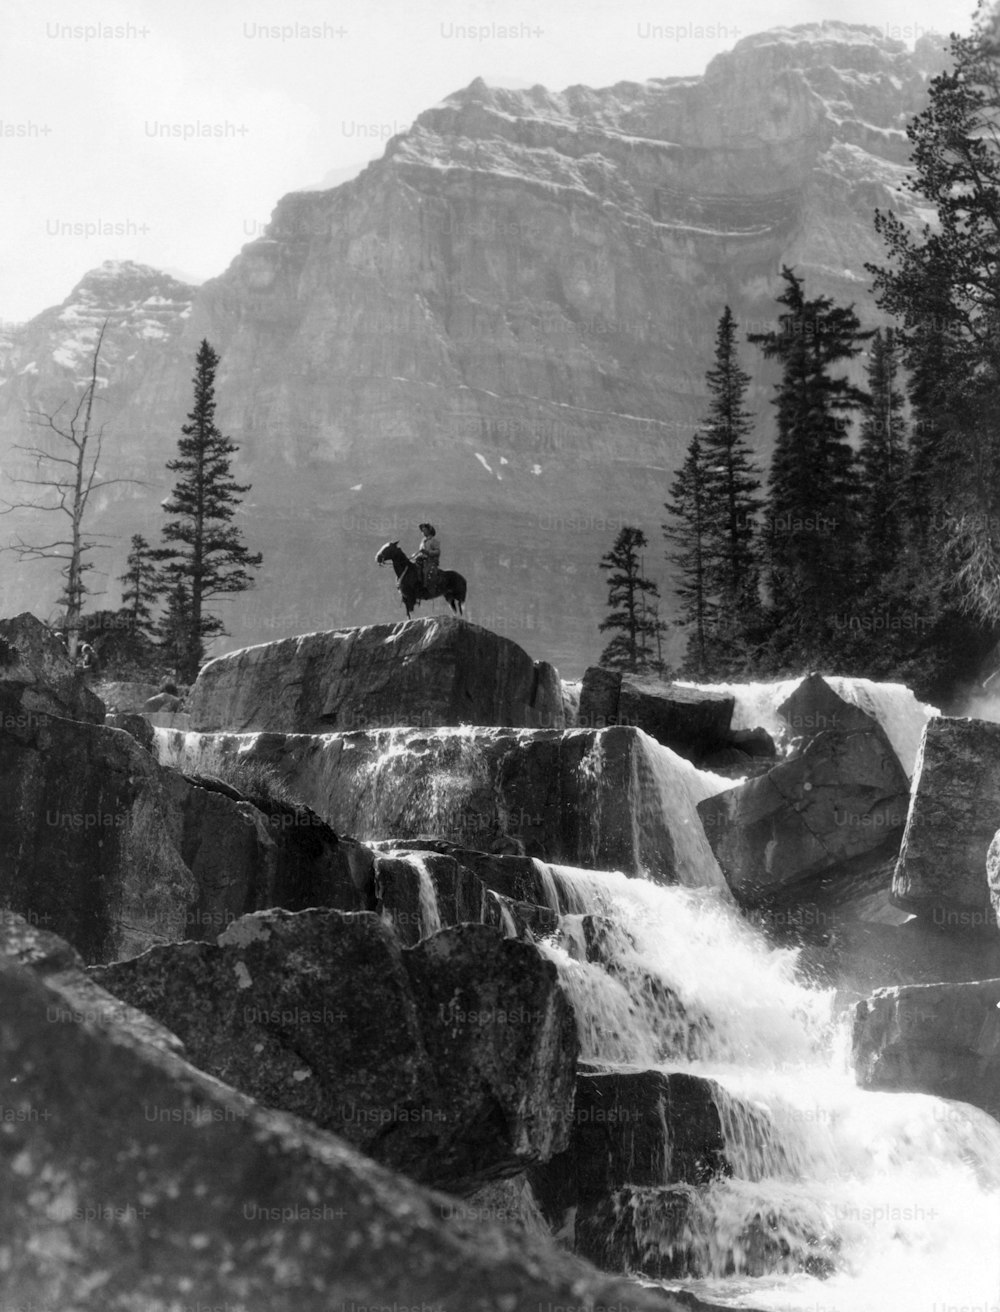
[955,813]
[36,666]
[133,1179]
[77,999]
[693,722]
[453,1061]
[932,1038]
[426,672]
[636,1127]
[823,824]
[101,844]
[442,335]
[607,798]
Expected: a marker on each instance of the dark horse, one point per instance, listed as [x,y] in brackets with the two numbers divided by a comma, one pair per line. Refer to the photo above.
[450,585]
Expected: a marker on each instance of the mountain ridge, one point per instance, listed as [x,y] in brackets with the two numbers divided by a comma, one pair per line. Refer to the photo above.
[503,325]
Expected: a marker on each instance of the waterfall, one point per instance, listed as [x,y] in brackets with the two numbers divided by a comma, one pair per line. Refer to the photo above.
[430,916]
[892,705]
[840,1200]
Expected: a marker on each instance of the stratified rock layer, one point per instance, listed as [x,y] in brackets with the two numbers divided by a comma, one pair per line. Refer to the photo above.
[932,1038]
[426,672]
[954,815]
[608,798]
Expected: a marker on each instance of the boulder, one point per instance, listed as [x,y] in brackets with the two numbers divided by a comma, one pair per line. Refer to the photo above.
[35,663]
[132,1179]
[452,1061]
[90,835]
[601,798]
[502,1040]
[103,845]
[813,707]
[932,1038]
[824,823]
[686,1232]
[137,725]
[694,722]
[427,672]
[600,692]
[941,874]
[76,997]
[636,1127]
[162,702]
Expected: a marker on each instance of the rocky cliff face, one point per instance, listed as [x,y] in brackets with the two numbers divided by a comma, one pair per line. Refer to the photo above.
[503,324]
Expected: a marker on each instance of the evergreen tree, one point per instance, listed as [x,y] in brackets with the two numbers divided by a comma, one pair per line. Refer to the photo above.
[882,458]
[210,558]
[943,285]
[174,628]
[142,585]
[691,533]
[628,590]
[812,492]
[731,481]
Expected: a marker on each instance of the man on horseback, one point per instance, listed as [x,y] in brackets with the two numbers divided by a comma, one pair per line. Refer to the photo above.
[428,559]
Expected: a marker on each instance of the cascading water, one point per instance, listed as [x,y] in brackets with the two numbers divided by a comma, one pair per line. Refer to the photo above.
[430,916]
[893,1200]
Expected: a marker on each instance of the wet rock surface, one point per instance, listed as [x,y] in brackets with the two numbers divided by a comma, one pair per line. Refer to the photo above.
[693,722]
[934,1038]
[607,799]
[824,822]
[941,875]
[428,672]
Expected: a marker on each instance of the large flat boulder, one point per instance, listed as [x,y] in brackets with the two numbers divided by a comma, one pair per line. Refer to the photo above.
[826,822]
[453,1061]
[693,722]
[941,872]
[932,1038]
[133,1180]
[427,672]
[37,665]
[101,844]
[604,798]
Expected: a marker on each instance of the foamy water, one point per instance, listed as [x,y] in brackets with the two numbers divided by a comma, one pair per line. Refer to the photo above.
[899,1193]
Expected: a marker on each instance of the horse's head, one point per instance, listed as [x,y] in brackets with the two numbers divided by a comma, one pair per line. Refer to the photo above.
[386,553]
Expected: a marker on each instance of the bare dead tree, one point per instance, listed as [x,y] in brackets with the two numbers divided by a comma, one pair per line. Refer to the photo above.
[69,473]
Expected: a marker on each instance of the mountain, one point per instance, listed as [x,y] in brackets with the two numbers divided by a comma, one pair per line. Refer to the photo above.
[501,325]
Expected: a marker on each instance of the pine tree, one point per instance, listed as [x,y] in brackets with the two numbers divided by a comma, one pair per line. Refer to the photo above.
[691,534]
[882,458]
[812,493]
[731,481]
[210,558]
[174,628]
[143,585]
[627,593]
[943,285]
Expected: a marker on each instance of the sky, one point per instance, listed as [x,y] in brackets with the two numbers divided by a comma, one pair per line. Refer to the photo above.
[165,131]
